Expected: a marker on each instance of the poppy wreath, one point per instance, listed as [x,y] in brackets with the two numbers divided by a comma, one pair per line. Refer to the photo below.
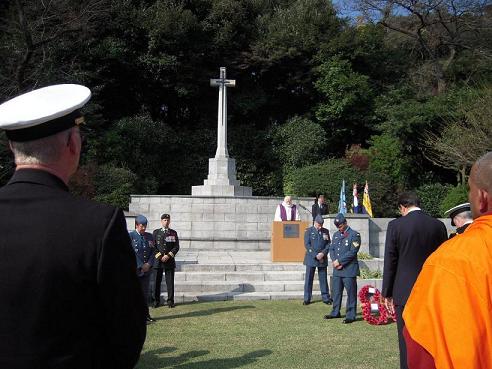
[366,299]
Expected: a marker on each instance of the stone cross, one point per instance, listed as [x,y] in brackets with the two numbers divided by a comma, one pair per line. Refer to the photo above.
[222,83]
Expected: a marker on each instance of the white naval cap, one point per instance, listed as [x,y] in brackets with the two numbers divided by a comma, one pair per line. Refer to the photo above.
[458,209]
[43,112]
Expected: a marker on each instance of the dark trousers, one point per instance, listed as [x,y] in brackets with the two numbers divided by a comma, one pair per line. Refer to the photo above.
[323,283]
[145,284]
[400,323]
[169,284]
[350,284]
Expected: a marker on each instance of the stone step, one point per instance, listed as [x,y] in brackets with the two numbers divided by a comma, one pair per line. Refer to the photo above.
[261,266]
[221,287]
[240,276]
[185,296]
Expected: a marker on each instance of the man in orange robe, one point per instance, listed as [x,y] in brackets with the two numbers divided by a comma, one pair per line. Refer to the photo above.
[448,316]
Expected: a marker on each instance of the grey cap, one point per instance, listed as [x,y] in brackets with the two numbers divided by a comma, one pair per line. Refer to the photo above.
[457,210]
[140,219]
[319,219]
[339,219]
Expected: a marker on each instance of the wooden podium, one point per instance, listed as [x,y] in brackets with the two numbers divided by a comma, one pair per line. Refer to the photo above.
[288,241]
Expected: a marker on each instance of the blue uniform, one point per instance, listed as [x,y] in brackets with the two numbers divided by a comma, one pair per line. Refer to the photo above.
[344,248]
[143,245]
[316,241]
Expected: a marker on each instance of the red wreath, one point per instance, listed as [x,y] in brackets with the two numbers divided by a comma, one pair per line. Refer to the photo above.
[366,299]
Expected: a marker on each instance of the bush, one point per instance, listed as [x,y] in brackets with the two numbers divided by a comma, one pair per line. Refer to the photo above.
[431,197]
[325,177]
[456,195]
[370,274]
[114,185]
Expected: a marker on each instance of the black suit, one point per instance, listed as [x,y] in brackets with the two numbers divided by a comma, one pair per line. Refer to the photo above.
[69,293]
[317,209]
[409,241]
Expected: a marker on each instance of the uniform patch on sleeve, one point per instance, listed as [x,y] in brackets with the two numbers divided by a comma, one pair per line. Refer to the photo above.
[356,243]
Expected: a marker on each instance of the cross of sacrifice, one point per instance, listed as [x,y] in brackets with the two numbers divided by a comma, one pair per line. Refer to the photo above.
[222,83]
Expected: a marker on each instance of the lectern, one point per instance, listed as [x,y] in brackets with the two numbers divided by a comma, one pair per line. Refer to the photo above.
[288,240]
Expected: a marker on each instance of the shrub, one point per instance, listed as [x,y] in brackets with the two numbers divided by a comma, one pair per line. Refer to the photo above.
[456,195]
[370,274]
[114,185]
[431,197]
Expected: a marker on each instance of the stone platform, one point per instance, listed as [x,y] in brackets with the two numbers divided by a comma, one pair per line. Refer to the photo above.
[244,275]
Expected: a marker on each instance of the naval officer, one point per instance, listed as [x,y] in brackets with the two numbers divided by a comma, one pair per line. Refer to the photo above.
[343,253]
[317,243]
[69,295]
[461,218]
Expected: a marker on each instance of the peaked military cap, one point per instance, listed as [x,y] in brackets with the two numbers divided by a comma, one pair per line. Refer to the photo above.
[319,219]
[165,216]
[339,219]
[457,210]
[140,219]
[43,112]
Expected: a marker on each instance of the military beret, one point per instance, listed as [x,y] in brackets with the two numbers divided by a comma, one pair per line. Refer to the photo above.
[319,219]
[165,216]
[457,210]
[339,219]
[140,219]
[43,112]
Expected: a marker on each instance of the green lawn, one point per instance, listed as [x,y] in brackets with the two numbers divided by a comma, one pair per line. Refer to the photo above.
[264,334]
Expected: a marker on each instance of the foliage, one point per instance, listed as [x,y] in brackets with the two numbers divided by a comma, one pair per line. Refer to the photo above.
[299,142]
[431,197]
[114,185]
[370,274]
[364,256]
[466,137]
[386,156]
[324,177]
[455,196]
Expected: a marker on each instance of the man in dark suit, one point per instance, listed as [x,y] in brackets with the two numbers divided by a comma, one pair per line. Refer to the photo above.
[166,248]
[319,207]
[410,239]
[70,298]
[317,244]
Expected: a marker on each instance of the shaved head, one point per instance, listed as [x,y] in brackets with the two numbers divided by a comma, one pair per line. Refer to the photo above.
[480,183]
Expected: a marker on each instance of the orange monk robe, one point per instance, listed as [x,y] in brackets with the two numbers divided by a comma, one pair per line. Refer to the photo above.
[449,312]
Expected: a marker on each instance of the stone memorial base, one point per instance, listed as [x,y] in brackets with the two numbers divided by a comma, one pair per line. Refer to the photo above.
[221,180]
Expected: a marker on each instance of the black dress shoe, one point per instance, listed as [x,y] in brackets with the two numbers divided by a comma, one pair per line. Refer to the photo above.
[150,320]
[331,316]
[348,321]
[171,305]
[156,304]
[306,302]
[328,302]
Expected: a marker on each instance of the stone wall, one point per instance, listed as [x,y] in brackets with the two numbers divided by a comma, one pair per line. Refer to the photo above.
[242,223]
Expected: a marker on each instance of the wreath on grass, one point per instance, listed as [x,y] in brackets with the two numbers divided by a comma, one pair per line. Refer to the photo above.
[373,310]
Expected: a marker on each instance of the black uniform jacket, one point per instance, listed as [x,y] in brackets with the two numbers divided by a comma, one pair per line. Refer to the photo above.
[317,209]
[409,241]
[165,242]
[69,296]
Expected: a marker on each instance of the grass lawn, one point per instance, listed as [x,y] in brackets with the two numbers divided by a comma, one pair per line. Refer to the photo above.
[264,334]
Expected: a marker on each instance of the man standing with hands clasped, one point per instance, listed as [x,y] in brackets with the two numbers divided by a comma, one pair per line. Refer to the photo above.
[166,248]
[317,243]
[343,253]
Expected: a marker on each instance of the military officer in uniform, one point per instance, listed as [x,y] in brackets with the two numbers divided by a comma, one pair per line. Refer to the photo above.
[461,218]
[166,248]
[69,295]
[317,243]
[343,253]
[143,244]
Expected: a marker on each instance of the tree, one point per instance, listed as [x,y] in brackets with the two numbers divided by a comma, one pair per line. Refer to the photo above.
[439,29]
[465,138]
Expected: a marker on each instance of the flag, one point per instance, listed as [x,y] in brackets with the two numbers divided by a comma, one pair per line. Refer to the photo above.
[355,204]
[342,205]
[366,201]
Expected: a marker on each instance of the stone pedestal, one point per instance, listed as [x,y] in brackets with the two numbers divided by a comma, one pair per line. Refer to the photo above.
[221,180]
